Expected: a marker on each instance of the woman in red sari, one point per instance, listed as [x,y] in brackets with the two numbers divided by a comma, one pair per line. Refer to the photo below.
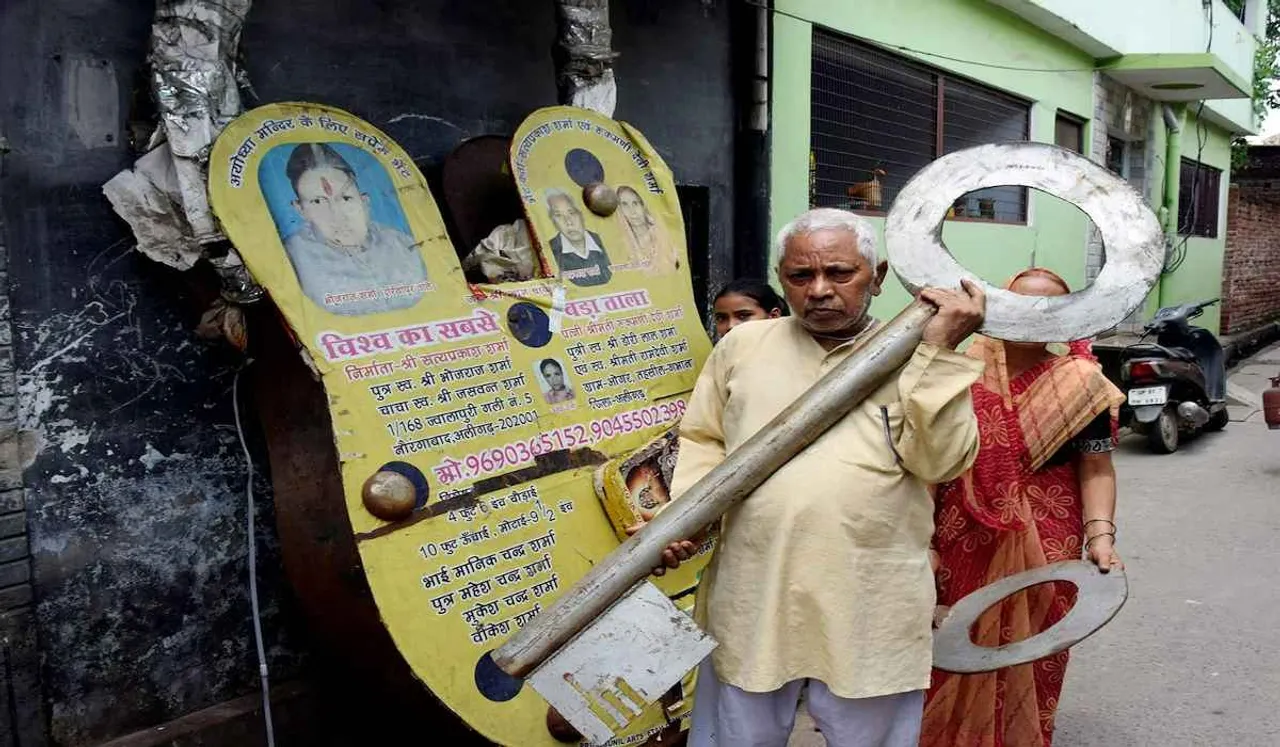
[1042,490]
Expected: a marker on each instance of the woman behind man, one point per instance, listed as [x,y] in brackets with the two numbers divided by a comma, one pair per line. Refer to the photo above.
[745,300]
[1043,489]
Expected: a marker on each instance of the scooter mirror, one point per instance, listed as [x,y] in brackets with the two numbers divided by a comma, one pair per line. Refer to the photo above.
[1131,236]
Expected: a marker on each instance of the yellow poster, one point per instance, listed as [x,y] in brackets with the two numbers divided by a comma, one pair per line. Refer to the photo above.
[499,403]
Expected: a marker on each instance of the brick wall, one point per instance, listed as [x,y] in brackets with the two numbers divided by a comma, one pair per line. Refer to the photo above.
[1251,266]
[22,722]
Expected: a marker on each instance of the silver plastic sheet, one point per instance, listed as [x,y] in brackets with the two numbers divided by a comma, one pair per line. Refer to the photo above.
[584,55]
[194,79]
[150,200]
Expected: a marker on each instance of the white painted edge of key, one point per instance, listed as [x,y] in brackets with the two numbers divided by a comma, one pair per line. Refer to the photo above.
[1132,237]
[1099,597]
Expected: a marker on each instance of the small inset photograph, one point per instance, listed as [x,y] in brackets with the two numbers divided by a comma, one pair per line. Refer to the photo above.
[554,381]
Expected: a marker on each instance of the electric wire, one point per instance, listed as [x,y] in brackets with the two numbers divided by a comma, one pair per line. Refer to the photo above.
[253,561]
[1178,251]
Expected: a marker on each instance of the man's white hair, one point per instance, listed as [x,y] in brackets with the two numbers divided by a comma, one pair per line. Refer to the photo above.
[554,193]
[830,219]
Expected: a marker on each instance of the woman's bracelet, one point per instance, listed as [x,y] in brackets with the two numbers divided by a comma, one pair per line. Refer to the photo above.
[1095,521]
[1092,539]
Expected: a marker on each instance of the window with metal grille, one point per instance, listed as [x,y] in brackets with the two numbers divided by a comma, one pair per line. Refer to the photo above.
[1068,132]
[1198,199]
[878,118]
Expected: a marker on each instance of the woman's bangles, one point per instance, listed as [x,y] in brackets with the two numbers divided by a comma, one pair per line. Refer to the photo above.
[1090,539]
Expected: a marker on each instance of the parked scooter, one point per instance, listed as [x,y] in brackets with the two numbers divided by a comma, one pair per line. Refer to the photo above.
[1177,385]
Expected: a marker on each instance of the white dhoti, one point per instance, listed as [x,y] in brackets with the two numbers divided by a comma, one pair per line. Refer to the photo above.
[726,716]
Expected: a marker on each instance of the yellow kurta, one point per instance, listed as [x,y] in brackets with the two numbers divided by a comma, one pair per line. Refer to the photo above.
[823,572]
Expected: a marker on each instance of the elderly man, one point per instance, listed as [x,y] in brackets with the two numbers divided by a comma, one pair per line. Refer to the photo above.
[822,575]
[579,253]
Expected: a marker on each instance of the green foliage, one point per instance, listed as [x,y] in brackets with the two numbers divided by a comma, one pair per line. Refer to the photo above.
[1264,73]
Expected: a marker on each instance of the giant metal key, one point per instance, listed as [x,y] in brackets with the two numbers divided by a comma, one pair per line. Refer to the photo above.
[613,643]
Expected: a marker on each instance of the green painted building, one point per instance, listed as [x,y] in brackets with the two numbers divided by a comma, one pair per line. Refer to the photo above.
[866,94]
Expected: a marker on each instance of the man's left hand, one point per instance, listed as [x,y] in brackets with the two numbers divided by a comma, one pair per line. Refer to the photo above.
[960,314]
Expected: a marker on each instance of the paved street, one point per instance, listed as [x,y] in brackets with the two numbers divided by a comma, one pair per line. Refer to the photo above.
[1192,658]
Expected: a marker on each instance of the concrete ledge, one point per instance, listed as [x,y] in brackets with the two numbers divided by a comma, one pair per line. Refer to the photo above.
[1243,344]
[232,722]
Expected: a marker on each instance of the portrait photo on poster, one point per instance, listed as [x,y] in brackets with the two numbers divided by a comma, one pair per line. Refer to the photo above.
[343,228]
[554,381]
[647,241]
[579,253]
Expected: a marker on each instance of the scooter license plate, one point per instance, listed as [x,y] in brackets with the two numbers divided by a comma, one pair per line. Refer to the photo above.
[1151,395]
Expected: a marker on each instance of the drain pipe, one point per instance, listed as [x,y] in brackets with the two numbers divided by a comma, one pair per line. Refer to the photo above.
[759,117]
[1174,120]
[750,27]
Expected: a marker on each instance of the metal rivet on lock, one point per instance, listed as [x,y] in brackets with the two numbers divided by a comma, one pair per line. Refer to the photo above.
[388,495]
[600,198]
[560,729]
